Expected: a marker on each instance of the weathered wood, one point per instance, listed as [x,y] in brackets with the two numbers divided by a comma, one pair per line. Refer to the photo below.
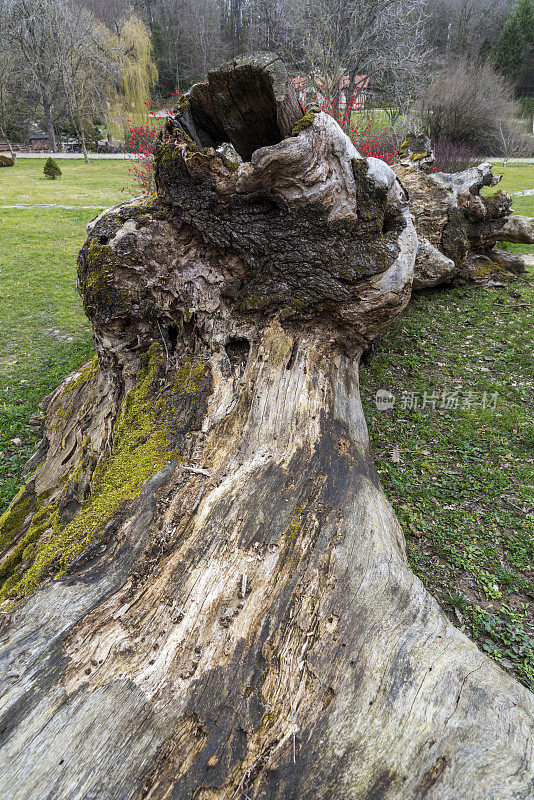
[249,102]
[516,228]
[455,223]
[242,623]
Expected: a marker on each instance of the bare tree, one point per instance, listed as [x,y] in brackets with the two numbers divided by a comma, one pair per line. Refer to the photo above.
[192,39]
[467,103]
[465,27]
[18,99]
[86,63]
[406,54]
[370,38]
[32,27]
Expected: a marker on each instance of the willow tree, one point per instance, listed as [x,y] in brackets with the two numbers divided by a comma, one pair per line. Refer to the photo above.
[234,614]
[137,74]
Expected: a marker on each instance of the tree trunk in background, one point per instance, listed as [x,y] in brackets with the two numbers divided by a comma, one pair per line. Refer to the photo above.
[236,616]
[80,128]
[49,122]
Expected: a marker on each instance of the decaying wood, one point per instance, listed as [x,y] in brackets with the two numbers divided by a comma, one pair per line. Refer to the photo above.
[243,622]
[457,227]
[249,103]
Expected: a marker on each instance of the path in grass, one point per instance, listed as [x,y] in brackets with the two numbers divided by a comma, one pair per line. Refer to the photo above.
[44,333]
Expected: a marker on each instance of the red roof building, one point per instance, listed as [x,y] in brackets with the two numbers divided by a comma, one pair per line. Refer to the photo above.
[312,89]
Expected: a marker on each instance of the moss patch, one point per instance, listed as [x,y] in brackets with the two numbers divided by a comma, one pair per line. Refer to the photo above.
[96,269]
[487,269]
[87,372]
[304,122]
[144,442]
[231,166]
[497,204]
[13,567]
[12,519]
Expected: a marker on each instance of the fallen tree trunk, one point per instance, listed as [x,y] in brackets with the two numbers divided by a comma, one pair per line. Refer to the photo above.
[457,227]
[234,615]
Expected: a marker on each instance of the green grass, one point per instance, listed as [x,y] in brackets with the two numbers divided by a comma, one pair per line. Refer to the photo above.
[97,183]
[461,487]
[460,480]
[516,178]
[44,333]
[379,120]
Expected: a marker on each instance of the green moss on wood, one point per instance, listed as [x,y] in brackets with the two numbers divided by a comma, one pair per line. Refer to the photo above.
[13,518]
[295,526]
[85,374]
[231,166]
[169,157]
[144,442]
[497,204]
[182,104]
[12,568]
[304,122]
[488,269]
[96,270]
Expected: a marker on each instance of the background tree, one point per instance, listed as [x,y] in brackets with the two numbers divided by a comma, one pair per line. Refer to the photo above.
[18,100]
[89,66]
[402,74]
[464,27]
[468,103]
[514,53]
[32,28]
[137,68]
[368,38]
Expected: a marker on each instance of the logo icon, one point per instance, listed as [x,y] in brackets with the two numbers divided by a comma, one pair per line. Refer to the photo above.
[384,399]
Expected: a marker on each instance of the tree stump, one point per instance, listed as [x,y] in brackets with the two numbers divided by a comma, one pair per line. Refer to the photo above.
[207,593]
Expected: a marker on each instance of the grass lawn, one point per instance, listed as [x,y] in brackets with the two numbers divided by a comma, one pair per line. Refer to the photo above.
[458,478]
[378,119]
[44,334]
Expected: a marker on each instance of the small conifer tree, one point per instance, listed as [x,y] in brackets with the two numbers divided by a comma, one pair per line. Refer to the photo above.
[51,169]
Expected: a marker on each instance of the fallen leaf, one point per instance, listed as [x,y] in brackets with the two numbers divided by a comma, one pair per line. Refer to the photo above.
[414,532]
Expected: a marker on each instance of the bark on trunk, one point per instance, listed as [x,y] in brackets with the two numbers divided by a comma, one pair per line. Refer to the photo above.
[238,618]
[80,129]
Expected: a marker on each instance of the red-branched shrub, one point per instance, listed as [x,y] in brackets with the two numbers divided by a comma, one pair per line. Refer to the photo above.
[362,137]
[140,143]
